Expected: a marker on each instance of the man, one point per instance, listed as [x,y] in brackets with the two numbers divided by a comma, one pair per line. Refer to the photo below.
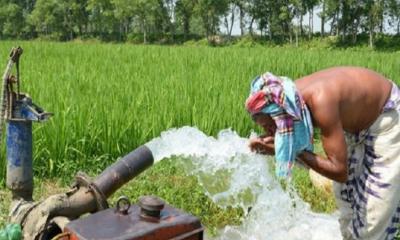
[357,111]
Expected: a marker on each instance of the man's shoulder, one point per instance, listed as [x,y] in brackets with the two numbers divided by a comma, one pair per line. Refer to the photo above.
[319,94]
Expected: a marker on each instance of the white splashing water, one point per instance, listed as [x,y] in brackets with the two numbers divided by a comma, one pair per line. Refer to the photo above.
[233,176]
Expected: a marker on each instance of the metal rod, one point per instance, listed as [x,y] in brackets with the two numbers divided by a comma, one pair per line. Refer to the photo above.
[3,97]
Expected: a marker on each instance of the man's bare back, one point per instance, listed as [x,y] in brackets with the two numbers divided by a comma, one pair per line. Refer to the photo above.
[341,99]
[357,93]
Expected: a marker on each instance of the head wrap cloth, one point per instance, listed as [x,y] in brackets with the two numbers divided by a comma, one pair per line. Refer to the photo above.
[279,98]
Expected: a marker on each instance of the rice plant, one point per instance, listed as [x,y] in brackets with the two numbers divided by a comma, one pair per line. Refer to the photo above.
[107,99]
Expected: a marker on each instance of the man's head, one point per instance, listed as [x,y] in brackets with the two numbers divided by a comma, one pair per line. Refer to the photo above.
[274,96]
[275,104]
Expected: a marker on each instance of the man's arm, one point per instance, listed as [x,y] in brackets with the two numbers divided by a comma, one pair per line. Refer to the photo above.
[335,165]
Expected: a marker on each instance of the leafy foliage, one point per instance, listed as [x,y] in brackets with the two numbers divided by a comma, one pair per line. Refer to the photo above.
[164,20]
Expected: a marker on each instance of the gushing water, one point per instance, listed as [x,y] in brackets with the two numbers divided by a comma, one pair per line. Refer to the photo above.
[233,176]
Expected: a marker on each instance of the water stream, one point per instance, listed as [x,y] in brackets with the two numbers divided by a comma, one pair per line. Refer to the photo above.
[231,175]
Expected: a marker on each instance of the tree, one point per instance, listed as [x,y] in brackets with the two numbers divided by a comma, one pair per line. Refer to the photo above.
[356,13]
[144,12]
[101,18]
[168,10]
[59,19]
[298,12]
[230,14]
[163,17]
[47,18]
[373,16]
[393,10]
[234,7]
[241,5]
[331,12]
[210,12]
[75,17]
[184,11]
[124,12]
[118,19]
[263,13]
[275,17]
[322,16]
[286,15]
[309,6]
[79,16]
[11,19]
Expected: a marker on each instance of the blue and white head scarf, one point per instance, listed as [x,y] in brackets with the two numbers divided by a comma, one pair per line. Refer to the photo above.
[279,98]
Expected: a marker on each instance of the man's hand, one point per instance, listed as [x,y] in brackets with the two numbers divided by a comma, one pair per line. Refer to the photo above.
[263,145]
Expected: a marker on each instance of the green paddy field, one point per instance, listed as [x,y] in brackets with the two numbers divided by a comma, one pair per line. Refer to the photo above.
[107,99]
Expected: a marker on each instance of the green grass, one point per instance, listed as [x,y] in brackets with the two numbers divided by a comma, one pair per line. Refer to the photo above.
[319,200]
[110,98]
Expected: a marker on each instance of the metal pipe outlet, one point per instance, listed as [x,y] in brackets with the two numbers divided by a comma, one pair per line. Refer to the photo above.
[121,172]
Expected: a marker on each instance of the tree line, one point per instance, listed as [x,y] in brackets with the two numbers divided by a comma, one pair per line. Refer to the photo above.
[174,21]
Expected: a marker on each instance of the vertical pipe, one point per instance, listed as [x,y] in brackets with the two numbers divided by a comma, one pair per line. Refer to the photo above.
[19,159]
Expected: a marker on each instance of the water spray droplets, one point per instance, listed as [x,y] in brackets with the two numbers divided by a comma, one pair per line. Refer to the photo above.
[233,176]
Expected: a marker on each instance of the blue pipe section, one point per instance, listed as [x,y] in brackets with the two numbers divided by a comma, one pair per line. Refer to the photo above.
[19,158]
[19,147]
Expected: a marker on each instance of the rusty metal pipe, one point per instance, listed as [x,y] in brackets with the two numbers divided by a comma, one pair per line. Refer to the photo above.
[77,204]
[35,216]
[121,172]
[109,181]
